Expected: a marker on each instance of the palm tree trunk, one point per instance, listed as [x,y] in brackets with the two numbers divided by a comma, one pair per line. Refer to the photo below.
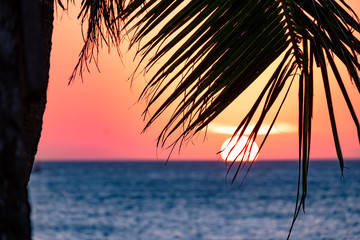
[14,206]
[33,108]
[25,45]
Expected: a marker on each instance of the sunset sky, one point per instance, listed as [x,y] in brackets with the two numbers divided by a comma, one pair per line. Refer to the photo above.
[100,118]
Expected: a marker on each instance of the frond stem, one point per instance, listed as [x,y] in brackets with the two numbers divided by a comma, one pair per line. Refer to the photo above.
[293,38]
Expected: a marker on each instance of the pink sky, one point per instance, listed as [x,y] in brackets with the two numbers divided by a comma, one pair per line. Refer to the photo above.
[101,119]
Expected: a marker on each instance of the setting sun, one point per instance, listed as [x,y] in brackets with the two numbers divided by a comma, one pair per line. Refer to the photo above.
[235,149]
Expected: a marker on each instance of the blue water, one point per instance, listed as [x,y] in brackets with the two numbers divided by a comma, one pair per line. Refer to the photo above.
[182,200]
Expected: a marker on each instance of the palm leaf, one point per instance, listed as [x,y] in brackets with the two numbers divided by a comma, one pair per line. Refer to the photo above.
[221,47]
[103,24]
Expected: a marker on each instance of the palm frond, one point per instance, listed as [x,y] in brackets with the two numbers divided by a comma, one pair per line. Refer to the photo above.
[103,24]
[221,47]
[62,6]
[221,52]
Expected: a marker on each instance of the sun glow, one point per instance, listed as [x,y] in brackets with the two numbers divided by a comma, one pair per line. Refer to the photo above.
[279,128]
[235,149]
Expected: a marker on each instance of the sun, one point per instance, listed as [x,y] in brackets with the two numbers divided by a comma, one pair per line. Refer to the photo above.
[231,153]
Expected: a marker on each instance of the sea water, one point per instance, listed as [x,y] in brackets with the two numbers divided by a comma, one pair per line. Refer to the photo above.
[192,200]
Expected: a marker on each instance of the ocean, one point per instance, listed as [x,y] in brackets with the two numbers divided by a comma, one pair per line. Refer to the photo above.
[192,200]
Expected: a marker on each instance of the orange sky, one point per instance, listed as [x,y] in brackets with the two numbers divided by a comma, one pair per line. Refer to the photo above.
[101,119]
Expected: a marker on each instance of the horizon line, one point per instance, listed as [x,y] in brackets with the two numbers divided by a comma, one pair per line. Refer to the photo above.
[175,160]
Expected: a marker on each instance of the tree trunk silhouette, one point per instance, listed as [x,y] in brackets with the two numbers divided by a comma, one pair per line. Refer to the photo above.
[33,108]
[24,67]
[14,206]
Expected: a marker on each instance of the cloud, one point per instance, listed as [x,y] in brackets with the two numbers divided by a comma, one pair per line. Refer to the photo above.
[278,128]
